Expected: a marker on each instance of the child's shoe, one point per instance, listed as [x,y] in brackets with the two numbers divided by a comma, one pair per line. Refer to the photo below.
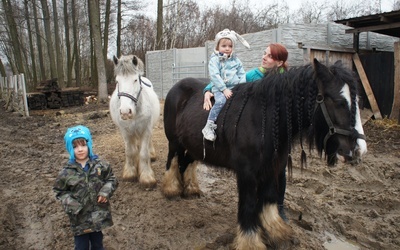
[208,131]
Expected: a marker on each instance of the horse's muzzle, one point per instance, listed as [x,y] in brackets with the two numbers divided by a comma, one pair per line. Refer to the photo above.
[126,116]
[352,158]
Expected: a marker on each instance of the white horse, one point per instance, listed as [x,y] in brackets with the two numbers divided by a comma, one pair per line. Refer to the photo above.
[135,109]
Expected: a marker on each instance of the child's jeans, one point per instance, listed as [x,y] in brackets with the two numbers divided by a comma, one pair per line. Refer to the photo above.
[89,241]
[220,101]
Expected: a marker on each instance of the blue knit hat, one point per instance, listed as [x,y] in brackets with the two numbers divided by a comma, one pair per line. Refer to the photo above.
[75,133]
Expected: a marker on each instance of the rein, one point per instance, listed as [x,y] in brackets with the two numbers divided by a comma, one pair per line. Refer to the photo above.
[134,99]
[332,129]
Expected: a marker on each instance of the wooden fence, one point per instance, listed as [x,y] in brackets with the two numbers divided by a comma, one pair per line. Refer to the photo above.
[13,92]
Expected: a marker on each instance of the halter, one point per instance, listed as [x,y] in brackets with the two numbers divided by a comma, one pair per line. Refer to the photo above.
[134,99]
[332,129]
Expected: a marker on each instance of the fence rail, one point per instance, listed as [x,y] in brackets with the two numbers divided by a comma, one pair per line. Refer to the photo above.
[13,92]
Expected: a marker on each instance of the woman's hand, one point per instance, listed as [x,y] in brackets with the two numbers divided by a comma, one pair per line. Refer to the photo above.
[207,105]
[228,93]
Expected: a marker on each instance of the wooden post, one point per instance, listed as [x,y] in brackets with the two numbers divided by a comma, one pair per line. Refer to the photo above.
[9,93]
[2,87]
[367,87]
[396,97]
[24,98]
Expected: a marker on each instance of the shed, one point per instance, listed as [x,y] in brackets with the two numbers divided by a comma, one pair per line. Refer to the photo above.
[380,71]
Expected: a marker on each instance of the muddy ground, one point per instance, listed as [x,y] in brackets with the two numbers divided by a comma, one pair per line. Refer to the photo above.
[346,207]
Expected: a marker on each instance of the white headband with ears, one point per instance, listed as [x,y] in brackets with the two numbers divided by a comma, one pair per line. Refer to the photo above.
[232,35]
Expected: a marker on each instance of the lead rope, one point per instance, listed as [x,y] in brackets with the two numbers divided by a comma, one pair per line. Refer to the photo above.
[204,148]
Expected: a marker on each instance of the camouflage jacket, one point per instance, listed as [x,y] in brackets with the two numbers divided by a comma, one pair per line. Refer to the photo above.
[78,191]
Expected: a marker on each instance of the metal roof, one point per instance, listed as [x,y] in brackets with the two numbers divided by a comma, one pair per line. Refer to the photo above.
[387,23]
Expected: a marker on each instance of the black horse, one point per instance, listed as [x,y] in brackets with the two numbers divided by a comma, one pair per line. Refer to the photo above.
[255,133]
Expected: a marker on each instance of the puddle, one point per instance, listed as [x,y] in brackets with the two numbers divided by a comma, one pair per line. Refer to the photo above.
[338,244]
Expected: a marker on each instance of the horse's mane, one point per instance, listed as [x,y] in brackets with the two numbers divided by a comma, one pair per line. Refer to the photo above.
[126,66]
[297,89]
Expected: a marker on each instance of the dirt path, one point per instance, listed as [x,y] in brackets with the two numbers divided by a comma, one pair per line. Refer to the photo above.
[357,207]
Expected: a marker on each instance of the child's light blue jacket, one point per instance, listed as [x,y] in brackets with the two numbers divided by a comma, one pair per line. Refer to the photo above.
[225,72]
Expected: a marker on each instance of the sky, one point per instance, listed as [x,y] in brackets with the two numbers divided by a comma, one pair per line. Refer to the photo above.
[293,4]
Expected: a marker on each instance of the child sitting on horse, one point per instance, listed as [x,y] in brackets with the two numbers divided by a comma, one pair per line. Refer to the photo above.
[84,186]
[226,71]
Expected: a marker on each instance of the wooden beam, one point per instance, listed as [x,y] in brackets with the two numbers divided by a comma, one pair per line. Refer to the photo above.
[325,48]
[374,28]
[367,87]
[395,113]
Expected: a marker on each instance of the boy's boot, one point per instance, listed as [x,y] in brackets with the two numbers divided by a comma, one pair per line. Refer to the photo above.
[208,131]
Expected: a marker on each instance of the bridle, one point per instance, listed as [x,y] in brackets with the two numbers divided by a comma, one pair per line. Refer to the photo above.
[134,99]
[332,129]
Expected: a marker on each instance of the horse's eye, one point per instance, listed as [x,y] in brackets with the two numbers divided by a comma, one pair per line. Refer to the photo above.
[341,103]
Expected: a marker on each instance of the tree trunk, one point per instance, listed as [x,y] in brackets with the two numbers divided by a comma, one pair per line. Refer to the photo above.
[159,24]
[106,30]
[59,56]
[94,13]
[77,56]
[2,69]
[49,39]
[15,41]
[42,65]
[67,44]
[32,50]
[119,28]
[93,67]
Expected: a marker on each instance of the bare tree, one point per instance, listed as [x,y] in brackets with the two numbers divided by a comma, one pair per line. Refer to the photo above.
[2,69]
[141,39]
[339,10]
[59,56]
[31,47]
[67,43]
[75,28]
[180,22]
[42,64]
[14,37]
[49,38]
[106,29]
[159,24]
[119,27]
[94,13]
[311,12]
[272,15]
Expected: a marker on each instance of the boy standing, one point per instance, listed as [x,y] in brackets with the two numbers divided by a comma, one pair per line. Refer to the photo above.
[84,186]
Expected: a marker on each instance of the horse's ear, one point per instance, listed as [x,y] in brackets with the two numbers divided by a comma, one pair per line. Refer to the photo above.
[135,60]
[115,59]
[138,64]
[338,63]
[322,73]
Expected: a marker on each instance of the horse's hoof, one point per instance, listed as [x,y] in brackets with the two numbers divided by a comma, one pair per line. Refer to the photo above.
[129,179]
[277,231]
[192,192]
[148,184]
[249,240]
[171,190]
